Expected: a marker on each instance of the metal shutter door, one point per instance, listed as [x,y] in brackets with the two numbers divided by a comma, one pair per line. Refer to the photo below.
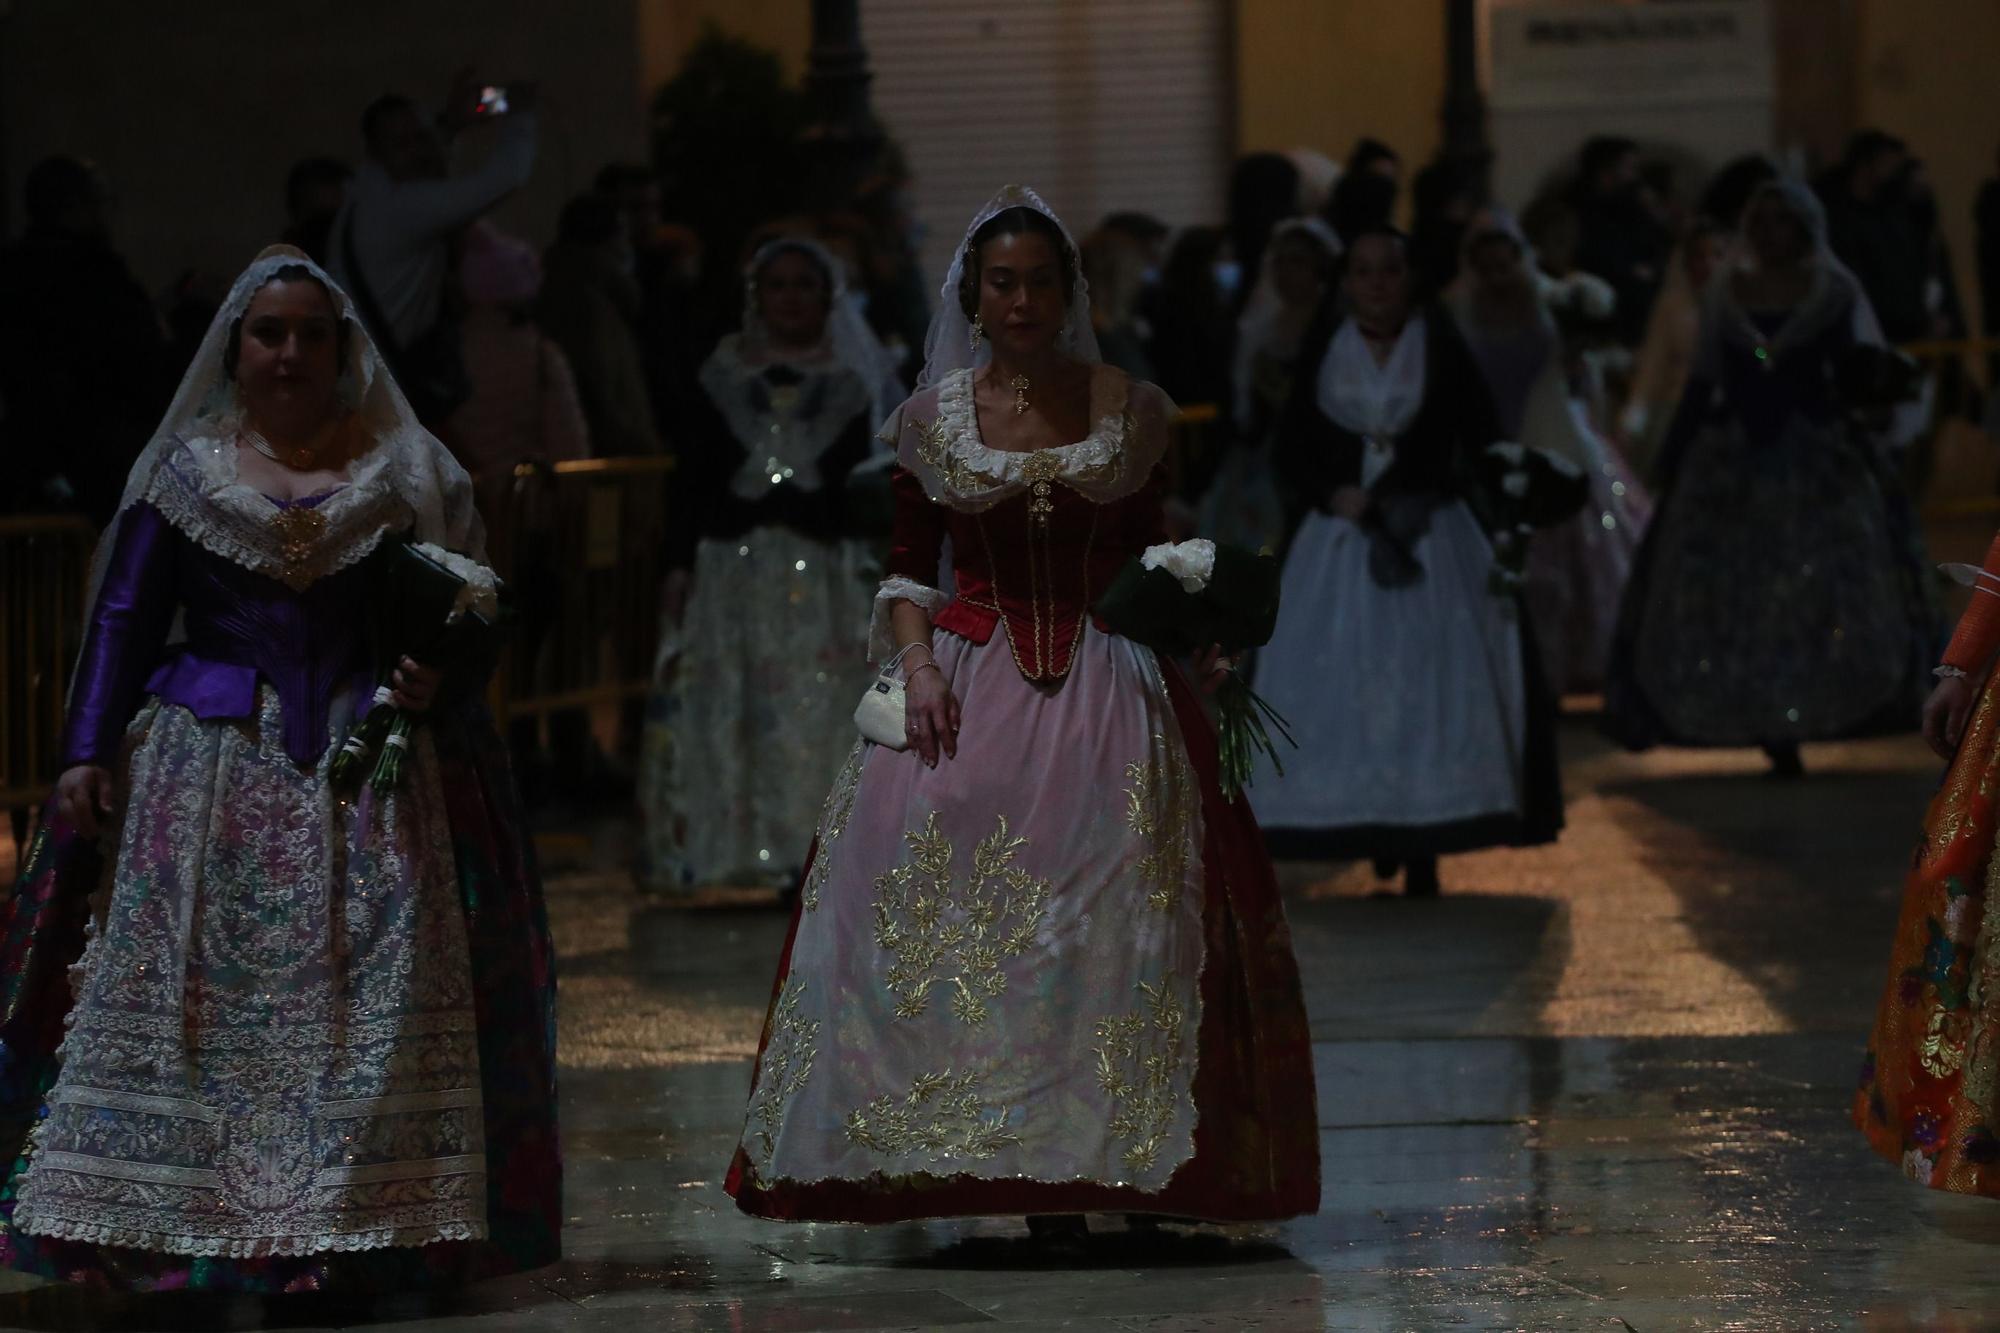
[1101,105]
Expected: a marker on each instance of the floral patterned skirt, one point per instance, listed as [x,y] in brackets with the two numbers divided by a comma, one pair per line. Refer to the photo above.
[1049,975]
[284,1069]
[1930,1086]
[752,719]
[1777,597]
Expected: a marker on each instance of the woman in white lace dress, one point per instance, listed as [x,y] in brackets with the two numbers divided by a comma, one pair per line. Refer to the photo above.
[765,647]
[1040,965]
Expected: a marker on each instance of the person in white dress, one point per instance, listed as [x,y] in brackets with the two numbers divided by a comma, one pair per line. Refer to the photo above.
[767,601]
[1408,673]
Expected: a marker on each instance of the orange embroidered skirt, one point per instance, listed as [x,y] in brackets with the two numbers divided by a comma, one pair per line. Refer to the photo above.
[1927,1098]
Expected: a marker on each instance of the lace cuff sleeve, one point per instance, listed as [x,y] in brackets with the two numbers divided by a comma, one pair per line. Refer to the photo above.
[881,633]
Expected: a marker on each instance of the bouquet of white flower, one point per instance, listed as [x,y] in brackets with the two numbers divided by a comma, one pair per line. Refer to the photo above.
[1182,597]
[440,608]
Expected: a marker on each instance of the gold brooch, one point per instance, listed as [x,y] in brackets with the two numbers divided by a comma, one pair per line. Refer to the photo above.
[299,530]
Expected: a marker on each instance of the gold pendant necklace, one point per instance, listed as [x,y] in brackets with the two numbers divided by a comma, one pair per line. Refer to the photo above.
[300,459]
[1021,386]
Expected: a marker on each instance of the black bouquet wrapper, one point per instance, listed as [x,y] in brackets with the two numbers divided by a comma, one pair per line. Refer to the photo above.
[1238,608]
[410,602]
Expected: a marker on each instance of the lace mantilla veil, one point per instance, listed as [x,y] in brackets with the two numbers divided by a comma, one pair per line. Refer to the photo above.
[404,468]
[848,338]
[948,344]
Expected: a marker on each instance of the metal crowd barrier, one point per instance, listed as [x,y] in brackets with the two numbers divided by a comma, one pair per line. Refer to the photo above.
[582,544]
[44,569]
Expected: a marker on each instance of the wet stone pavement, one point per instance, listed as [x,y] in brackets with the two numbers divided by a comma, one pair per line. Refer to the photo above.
[1602,1085]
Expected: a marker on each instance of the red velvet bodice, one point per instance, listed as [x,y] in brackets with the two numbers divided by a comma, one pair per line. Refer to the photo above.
[1033,564]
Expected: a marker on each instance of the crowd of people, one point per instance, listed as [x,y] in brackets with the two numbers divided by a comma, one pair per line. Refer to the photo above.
[1613,445]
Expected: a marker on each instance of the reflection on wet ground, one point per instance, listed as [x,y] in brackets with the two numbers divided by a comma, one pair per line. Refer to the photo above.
[1601,1085]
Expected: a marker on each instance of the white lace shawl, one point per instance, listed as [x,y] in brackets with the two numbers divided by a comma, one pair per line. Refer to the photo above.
[403,480]
[781,445]
[1375,400]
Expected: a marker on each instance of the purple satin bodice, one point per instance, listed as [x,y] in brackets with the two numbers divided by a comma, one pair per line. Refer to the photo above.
[242,628]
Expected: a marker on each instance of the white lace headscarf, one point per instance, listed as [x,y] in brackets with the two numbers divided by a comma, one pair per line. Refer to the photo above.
[1261,311]
[948,346]
[402,459]
[1834,289]
[848,339]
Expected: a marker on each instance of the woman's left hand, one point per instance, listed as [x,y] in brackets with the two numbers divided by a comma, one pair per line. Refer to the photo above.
[1212,668]
[415,685]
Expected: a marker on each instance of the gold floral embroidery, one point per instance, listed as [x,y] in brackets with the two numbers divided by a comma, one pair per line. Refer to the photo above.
[934,451]
[1138,1058]
[833,819]
[1973,1102]
[787,1064]
[943,1116]
[1942,1052]
[1159,808]
[1954,804]
[943,931]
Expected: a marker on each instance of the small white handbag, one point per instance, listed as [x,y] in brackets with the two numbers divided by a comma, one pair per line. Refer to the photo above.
[881,716]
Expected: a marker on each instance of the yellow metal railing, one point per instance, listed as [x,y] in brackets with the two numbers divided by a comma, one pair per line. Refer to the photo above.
[44,567]
[583,545]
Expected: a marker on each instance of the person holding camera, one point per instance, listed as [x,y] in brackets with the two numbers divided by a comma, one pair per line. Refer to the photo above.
[393,243]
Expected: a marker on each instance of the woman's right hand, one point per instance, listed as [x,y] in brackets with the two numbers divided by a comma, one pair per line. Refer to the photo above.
[83,793]
[1349,502]
[1945,713]
[930,712]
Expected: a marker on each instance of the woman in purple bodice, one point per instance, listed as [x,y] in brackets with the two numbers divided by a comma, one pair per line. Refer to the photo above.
[309,1033]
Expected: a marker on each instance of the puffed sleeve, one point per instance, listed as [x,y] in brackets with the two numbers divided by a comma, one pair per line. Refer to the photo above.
[1978,630]
[128,628]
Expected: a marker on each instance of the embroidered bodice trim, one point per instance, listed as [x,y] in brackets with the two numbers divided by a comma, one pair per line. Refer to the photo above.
[196,489]
[958,468]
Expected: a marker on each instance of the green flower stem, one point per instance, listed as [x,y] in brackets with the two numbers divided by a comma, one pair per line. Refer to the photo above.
[357,753]
[389,768]
[1241,734]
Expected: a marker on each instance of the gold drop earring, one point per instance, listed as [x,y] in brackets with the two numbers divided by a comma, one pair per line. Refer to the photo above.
[978,332]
